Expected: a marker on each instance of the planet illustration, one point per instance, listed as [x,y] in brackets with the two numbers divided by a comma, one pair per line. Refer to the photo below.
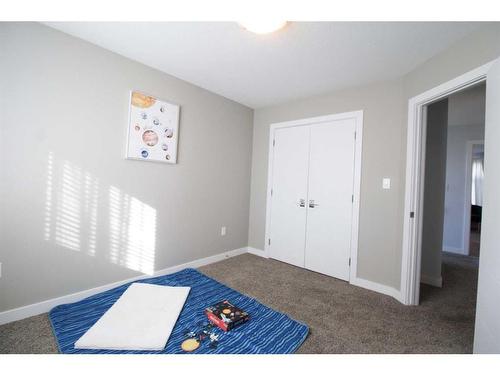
[164,147]
[169,133]
[141,100]
[144,153]
[150,138]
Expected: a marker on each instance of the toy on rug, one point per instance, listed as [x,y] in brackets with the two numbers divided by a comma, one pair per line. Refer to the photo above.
[226,316]
[223,315]
[195,338]
[190,345]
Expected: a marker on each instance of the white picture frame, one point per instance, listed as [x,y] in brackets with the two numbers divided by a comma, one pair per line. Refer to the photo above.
[153,129]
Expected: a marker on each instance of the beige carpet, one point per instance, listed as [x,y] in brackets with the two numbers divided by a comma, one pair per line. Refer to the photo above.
[342,318]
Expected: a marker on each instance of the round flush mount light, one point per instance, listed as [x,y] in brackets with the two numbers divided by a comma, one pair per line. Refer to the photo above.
[263,26]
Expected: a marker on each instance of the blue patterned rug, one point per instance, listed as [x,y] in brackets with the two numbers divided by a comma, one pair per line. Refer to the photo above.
[267,331]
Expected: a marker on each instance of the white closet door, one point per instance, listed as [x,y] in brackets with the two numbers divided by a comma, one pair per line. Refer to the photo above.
[329,216]
[289,184]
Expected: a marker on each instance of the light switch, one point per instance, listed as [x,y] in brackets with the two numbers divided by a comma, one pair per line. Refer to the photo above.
[223,231]
[386,183]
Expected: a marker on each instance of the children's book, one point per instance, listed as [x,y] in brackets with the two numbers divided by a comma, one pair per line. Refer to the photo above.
[226,316]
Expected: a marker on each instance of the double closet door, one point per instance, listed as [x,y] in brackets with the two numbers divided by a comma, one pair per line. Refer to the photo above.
[312,196]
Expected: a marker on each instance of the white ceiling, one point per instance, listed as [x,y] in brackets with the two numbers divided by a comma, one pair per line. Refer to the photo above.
[302,60]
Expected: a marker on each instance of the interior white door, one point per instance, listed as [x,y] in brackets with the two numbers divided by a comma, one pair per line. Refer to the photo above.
[487,328]
[289,194]
[331,183]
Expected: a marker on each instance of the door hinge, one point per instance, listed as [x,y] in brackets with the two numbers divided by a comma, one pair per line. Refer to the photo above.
[271,192]
[352,198]
[354,135]
[274,142]
[412,215]
[269,241]
[349,262]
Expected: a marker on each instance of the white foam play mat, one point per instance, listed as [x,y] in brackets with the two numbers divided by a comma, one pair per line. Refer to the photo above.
[141,319]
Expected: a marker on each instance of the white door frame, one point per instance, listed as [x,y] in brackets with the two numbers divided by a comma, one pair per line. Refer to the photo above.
[468,190]
[358,116]
[415,170]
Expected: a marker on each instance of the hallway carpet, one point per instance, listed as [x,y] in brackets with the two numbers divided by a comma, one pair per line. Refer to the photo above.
[342,318]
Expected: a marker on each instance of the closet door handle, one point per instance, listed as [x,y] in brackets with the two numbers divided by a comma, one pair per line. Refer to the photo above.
[312,204]
[302,203]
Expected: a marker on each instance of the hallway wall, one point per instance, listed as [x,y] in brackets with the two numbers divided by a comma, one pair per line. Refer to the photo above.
[434,192]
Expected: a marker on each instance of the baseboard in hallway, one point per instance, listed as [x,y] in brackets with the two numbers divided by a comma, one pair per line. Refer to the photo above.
[432,280]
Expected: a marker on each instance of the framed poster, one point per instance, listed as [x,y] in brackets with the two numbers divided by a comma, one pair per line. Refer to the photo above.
[153,129]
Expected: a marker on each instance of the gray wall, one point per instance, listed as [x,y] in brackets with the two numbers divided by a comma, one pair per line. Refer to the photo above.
[384,149]
[69,129]
[465,123]
[434,190]
[466,108]
[456,164]
[380,210]
[74,213]
[479,48]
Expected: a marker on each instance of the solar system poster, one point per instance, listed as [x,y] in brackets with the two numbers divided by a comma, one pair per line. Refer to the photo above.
[153,129]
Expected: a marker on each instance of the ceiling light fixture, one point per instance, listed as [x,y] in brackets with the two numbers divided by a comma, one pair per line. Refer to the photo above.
[263,26]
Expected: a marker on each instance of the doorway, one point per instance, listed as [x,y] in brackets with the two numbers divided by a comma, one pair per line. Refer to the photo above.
[452,201]
[415,177]
[474,194]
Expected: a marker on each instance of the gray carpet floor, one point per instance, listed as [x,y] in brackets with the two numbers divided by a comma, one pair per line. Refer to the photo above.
[342,318]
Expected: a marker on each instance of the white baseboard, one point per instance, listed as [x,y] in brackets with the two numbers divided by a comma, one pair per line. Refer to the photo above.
[258,252]
[45,306]
[362,283]
[455,250]
[376,287]
[432,280]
